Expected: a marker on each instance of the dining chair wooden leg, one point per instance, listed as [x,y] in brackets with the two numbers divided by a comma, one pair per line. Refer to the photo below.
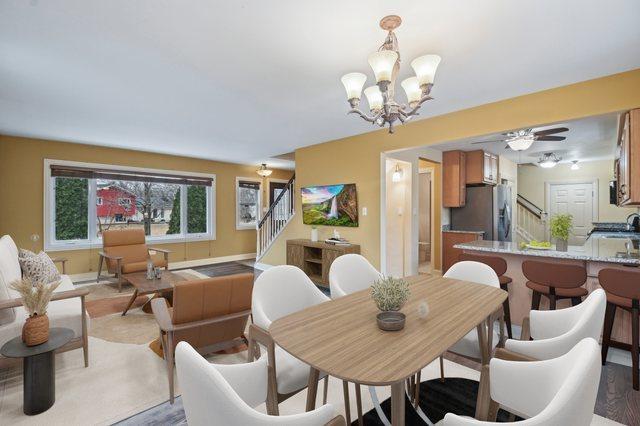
[416,393]
[482,341]
[272,392]
[535,301]
[507,311]
[359,404]
[325,391]
[347,405]
[312,388]
[442,368]
[493,410]
[634,343]
[609,317]
[502,339]
[397,403]
[552,302]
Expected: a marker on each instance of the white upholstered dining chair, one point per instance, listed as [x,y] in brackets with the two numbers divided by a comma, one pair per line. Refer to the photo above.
[479,273]
[280,291]
[555,392]
[556,332]
[216,394]
[350,273]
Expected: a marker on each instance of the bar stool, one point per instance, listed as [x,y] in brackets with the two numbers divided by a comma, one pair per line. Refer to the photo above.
[623,291]
[555,281]
[499,266]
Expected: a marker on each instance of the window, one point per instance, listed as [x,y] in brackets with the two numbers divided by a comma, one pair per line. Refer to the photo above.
[247,203]
[168,206]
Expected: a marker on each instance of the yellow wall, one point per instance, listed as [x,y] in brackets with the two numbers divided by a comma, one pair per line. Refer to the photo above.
[22,195]
[357,159]
[531,183]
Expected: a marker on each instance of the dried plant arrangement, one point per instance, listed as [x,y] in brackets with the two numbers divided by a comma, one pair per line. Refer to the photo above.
[35,296]
[389,293]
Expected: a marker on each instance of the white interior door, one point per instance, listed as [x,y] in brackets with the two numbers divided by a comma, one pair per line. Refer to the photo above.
[578,200]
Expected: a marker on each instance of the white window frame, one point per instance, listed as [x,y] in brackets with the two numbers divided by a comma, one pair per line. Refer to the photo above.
[122,203]
[239,226]
[51,244]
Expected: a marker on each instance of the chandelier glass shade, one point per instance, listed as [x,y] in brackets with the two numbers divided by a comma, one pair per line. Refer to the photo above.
[385,64]
[549,160]
[263,171]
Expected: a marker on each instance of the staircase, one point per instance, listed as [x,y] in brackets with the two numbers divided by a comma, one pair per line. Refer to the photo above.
[275,219]
[532,221]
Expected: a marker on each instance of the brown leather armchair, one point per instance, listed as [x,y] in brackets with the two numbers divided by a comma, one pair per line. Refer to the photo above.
[126,251]
[210,314]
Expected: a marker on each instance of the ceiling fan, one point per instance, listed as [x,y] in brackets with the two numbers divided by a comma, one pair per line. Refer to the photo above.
[520,140]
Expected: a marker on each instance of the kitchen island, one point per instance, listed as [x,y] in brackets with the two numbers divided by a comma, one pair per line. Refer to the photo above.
[601,250]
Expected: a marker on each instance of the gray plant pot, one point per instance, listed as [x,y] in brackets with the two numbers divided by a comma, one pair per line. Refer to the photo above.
[561,245]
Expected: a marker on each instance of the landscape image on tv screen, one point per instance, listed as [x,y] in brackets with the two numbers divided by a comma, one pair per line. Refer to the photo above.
[332,205]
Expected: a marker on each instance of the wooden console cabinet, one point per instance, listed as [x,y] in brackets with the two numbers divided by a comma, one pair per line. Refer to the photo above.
[315,258]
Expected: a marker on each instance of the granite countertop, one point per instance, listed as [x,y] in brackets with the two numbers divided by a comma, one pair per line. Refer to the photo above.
[596,249]
[459,231]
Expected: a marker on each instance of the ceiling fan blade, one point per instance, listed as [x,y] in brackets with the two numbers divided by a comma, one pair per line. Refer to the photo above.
[550,138]
[497,140]
[551,131]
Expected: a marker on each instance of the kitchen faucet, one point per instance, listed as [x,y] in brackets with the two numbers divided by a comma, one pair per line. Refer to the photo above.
[633,225]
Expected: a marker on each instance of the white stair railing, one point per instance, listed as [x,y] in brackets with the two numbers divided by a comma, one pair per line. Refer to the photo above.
[532,221]
[275,219]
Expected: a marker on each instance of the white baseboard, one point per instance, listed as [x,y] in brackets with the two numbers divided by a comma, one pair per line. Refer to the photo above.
[262,266]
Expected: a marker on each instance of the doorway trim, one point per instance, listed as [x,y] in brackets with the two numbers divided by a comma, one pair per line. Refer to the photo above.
[431,170]
[595,198]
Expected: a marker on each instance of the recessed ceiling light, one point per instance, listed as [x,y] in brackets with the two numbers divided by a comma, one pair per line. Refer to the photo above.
[575,166]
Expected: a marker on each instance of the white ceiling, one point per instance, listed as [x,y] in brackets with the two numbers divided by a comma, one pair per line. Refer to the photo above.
[246,80]
[588,139]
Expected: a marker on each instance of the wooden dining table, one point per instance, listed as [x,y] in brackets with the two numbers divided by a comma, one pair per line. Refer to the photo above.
[341,337]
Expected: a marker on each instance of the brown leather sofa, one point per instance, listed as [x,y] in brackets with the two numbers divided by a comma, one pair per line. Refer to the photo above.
[126,251]
[210,314]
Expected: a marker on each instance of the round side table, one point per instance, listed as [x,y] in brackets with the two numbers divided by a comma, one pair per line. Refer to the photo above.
[38,368]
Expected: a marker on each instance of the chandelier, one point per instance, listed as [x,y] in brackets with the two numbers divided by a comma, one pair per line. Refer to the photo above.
[549,160]
[264,171]
[385,64]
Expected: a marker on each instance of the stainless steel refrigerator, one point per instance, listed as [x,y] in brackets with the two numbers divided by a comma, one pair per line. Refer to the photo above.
[488,209]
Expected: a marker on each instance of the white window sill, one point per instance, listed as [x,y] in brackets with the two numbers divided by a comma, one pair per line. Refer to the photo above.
[149,241]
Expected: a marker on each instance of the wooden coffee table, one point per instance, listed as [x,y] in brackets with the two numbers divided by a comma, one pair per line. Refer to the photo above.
[143,286]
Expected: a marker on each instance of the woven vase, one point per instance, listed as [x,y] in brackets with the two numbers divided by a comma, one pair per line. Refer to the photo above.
[35,330]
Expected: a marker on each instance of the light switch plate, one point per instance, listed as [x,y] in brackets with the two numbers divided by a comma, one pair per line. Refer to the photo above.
[364,211]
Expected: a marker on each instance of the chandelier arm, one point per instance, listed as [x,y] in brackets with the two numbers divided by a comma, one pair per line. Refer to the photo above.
[416,108]
[363,115]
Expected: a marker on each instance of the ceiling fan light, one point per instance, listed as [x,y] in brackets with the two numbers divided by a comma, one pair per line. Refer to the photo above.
[382,63]
[374,97]
[411,87]
[353,83]
[520,144]
[425,68]
[548,160]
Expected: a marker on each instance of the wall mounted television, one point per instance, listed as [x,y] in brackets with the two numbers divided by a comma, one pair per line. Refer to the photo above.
[331,205]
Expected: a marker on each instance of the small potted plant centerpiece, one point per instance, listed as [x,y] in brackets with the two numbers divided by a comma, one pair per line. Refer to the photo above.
[35,298]
[560,226]
[390,295]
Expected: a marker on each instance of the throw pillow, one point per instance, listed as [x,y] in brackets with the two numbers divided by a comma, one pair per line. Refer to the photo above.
[39,268]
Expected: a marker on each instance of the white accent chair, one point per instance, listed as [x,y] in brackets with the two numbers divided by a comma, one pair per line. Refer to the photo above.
[280,291]
[556,332]
[66,309]
[350,273]
[555,392]
[227,394]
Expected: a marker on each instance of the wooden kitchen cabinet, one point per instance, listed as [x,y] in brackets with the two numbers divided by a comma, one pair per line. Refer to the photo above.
[627,165]
[482,168]
[454,180]
[450,239]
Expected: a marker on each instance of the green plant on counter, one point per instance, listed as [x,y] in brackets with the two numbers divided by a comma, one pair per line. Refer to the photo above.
[389,293]
[561,226]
